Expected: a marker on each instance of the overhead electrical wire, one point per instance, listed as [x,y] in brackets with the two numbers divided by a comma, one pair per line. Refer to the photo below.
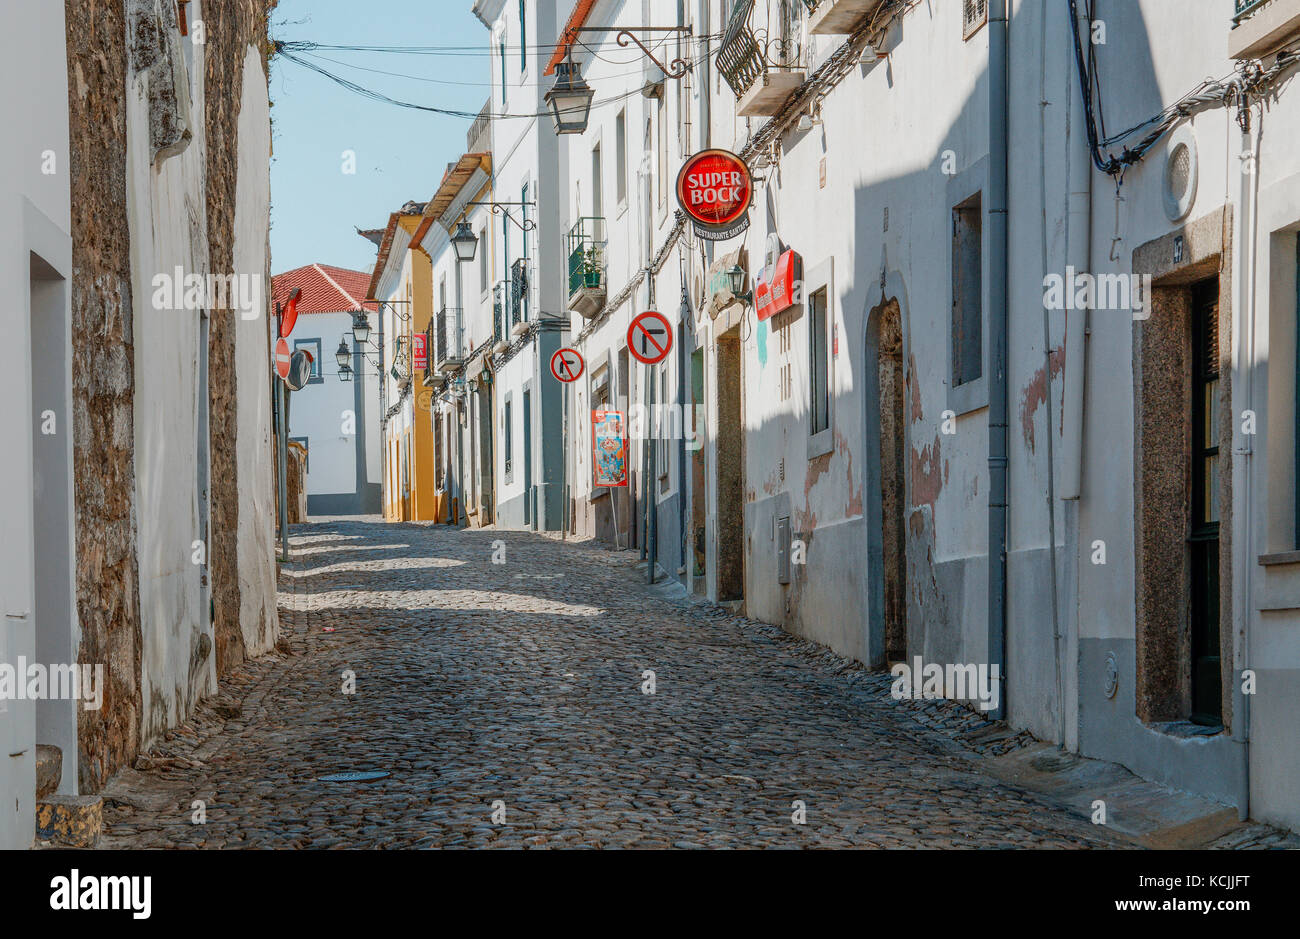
[445,81]
[397,102]
[1249,80]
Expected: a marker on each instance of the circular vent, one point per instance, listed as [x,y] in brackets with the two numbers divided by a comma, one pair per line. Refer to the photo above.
[1180,174]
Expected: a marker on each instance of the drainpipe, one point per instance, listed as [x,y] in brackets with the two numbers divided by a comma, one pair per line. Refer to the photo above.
[998,320]
[1078,253]
[1244,351]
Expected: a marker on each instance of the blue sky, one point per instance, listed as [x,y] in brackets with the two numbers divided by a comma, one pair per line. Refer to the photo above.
[400,153]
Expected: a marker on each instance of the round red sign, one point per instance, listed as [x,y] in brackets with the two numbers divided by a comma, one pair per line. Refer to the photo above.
[714,188]
[567,365]
[283,358]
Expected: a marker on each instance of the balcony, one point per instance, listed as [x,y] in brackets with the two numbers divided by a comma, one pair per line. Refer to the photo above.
[838,17]
[430,367]
[450,355]
[1261,27]
[479,137]
[586,251]
[762,75]
[518,295]
[500,317]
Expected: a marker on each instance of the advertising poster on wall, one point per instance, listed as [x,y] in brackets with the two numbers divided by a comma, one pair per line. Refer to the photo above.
[609,448]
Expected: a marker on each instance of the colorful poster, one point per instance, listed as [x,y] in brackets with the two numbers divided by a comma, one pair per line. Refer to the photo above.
[609,448]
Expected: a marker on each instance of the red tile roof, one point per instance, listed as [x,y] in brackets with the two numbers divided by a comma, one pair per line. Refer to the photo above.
[325,289]
[577,19]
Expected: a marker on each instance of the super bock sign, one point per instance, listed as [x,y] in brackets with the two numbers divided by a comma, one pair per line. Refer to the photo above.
[714,188]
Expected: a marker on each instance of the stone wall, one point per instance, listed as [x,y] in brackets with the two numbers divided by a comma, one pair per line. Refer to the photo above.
[232,26]
[103,385]
[104,379]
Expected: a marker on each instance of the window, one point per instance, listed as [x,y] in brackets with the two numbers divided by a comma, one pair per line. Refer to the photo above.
[483,248]
[974,14]
[313,348]
[523,35]
[620,157]
[663,457]
[503,70]
[508,437]
[967,292]
[597,184]
[662,114]
[523,209]
[438,477]
[818,363]
[306,445]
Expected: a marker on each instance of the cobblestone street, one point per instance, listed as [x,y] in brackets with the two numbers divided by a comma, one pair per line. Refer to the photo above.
[522,682]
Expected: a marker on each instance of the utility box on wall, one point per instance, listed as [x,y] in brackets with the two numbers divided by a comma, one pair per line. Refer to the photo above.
[783,550]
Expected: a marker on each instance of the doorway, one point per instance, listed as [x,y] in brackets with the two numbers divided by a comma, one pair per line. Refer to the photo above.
[1203,531]
[888,411]
[529,514]
[730,470]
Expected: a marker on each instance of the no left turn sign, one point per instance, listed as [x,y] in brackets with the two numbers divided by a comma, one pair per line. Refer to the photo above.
[567,365]
[649,337]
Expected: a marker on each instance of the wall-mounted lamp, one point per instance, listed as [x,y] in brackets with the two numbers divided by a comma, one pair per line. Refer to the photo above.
[569,99]
[360,327]
[465,242]
[736,283]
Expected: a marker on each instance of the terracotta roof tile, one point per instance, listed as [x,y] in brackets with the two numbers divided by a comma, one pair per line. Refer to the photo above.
[325,289]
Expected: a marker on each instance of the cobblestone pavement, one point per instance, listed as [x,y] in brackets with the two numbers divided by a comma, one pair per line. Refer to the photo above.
[522,682]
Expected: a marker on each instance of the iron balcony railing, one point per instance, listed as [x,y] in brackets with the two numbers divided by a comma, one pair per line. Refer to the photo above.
[430,366]
[448,335]
[586,250]
[1246,8]
[519,291]
[740,57]
[746,54]
[500,329]
[476,140]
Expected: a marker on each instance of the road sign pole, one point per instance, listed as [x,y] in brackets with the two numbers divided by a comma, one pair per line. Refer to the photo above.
[652,518]
[282,455]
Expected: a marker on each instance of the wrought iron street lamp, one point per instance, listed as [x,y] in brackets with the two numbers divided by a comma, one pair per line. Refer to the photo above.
[465,242]
[736,283]
[360,327]
[569,99]
[345,373]
[342,356]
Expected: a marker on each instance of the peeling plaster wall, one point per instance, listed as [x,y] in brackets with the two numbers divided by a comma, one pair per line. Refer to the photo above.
[258,619]
[167,229]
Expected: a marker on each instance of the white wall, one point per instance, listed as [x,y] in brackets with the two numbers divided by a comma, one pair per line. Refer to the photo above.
[317,411]
[257,509]
[34,219]
[166,206]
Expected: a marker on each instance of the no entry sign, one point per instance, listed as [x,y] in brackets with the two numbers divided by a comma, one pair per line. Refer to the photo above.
[283,358]
[649,337]
[567,365]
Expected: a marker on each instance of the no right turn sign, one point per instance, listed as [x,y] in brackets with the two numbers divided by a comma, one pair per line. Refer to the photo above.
[650,337]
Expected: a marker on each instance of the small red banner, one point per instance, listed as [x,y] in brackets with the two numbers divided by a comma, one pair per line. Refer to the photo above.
[777,290]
